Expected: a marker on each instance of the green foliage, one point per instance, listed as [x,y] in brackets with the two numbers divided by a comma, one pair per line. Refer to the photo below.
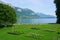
[7,15]
[57,2]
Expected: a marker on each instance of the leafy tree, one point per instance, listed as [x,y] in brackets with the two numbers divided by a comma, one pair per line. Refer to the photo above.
[57,2]
[7,15]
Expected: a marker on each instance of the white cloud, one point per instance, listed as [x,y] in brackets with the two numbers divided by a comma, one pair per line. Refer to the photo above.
[19,10]
[33,1]
[33,13]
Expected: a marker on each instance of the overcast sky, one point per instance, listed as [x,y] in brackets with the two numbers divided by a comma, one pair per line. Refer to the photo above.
[42,6]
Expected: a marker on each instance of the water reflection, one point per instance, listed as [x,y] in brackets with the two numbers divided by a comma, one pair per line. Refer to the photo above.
[36,21]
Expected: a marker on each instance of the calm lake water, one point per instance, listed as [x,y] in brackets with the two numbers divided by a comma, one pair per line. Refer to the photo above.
[36,21]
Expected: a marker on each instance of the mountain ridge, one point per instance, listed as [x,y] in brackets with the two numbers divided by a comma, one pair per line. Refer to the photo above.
[28,13]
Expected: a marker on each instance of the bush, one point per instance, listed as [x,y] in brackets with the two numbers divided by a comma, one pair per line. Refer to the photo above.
[7,15]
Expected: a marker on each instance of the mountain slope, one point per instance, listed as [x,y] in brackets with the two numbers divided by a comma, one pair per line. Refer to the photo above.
[45,16]
[27,13]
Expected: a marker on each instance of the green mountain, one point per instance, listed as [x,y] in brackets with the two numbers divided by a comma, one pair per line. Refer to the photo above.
[25,13]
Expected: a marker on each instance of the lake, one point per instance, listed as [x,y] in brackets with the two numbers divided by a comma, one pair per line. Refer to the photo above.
[36,21]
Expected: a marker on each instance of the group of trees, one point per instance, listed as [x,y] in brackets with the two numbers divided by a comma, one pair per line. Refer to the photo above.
[7,15]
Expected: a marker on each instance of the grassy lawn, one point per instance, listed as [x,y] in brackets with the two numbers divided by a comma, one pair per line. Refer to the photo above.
[31,32]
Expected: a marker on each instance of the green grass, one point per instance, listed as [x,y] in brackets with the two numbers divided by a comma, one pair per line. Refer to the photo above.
[40,32]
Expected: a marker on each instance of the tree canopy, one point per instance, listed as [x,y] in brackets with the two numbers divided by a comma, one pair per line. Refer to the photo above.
[57,2]
[7,15]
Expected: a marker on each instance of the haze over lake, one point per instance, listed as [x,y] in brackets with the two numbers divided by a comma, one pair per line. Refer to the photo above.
[36,21]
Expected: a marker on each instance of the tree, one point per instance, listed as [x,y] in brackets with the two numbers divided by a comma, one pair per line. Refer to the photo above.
[7,15]
[57,2]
